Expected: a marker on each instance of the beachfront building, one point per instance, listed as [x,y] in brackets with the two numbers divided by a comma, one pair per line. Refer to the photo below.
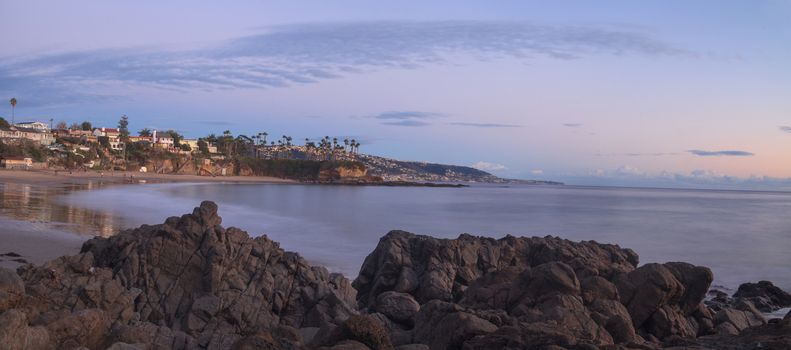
[16,163]
[14,134]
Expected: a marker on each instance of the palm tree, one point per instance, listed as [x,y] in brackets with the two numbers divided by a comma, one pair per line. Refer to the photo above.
[13,107]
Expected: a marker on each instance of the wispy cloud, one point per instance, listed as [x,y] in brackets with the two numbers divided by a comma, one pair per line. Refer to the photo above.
[406,115]
[407,122]
[308,53]
[633,154]
[785,128]
[406,118]
[729,153]
[572,125]
[485,125]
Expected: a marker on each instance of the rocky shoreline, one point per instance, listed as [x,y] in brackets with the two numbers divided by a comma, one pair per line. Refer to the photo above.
[190,283]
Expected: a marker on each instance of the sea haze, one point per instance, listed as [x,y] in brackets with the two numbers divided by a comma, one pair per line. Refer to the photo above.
[743,236]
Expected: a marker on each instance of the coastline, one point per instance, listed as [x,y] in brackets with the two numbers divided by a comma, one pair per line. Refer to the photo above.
[37,241]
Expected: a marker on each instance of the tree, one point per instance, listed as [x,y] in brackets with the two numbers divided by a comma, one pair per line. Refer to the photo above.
[145,132]
[4,123]
[203,147]
[86,126]
[123,127]
[176,137]
[13,107]
[74,126]
[104,141]
[62,125]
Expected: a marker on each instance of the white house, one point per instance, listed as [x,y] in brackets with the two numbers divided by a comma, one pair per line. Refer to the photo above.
[40,126]
[17,133]
[113,136]
[163,140]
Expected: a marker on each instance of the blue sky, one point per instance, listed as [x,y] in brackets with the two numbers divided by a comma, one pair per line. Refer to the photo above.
[649,93]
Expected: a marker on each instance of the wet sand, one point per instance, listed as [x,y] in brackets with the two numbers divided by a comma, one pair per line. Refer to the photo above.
[35,229]
[49,177]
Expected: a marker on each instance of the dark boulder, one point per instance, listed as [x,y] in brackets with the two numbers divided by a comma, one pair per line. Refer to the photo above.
[764,295]
[662,299]
[442,269]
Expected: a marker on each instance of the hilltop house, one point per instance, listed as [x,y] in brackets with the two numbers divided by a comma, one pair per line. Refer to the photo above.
[83,135]
[193,143]
[164,141]
[136,139]
[40,126]
[113,135]
[18,133]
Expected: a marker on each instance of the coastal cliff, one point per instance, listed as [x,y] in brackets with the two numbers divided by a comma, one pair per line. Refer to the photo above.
[191,283]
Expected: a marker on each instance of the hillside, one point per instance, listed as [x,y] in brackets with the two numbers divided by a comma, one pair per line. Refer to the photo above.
[398,170]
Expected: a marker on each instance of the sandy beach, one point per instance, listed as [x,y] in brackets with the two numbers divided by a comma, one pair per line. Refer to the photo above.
[36,240]
[50,177]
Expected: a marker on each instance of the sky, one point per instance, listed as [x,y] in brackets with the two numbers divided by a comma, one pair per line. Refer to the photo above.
[626,93]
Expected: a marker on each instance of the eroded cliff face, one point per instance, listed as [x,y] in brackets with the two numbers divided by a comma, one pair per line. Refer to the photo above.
[190,283]
[343,173]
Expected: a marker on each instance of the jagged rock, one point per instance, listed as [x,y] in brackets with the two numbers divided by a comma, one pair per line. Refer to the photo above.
[412,347]
[126,346]
[662,298]
[771,336]
[442,325]
[12,289]
[430,268]
[742,316]
[718,300]
[16,333]
[155,337]
[349,345]
[399,307]
[596,287]
[188,283]
[764,295]
[367,331]
[192,284]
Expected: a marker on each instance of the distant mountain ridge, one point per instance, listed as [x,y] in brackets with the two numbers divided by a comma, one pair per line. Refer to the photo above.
[399,170]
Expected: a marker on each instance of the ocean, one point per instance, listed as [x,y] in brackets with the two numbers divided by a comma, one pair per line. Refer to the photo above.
[742,236]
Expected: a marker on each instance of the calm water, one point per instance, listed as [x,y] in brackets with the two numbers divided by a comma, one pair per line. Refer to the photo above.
[742,236]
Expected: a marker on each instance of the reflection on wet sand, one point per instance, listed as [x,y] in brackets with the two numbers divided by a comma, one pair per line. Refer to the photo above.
[39,203]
